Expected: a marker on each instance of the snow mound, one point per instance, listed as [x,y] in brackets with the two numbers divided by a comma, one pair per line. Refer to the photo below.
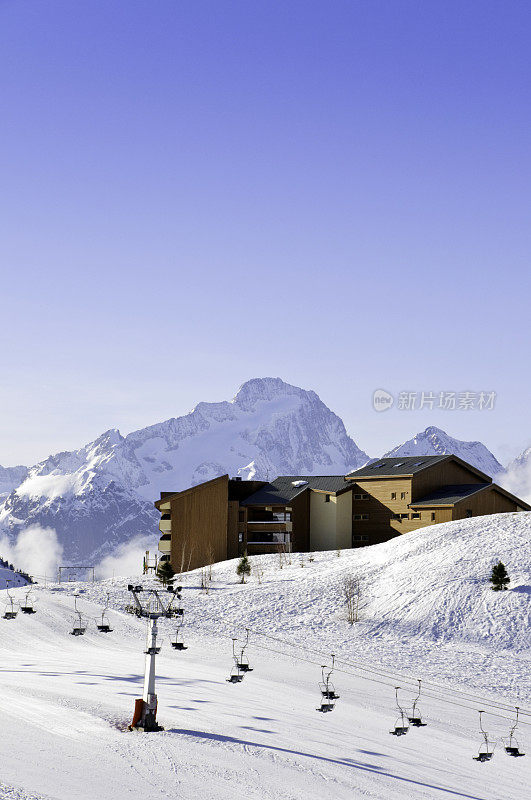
[430,585]
[426,611]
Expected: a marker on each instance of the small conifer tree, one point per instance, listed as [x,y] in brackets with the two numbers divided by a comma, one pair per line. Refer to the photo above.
[243,568]
[499,577]
[165,573]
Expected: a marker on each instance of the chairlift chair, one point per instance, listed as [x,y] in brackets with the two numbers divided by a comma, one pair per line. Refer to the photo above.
[328,692]
[512,748]
[416,718]
[402,723]
[177,643]
[78,629]
[9,612]
[235,675]
[240,659]
[242,663]
[104,625]
[485,752]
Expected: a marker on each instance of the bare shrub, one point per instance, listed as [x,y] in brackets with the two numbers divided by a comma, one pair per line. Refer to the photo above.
[205,580]
[351,588]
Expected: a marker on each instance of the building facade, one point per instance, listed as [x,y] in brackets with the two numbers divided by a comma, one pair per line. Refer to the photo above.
[226,517]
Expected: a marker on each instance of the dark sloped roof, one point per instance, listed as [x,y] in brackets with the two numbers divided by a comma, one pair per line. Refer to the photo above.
[282,491]
[405,465]
[450,495]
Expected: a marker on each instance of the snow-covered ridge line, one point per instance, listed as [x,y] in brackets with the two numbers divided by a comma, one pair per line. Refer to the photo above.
[436,442]
[102,494]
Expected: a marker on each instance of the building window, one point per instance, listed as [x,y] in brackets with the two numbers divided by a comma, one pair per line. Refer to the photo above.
[327,498]
[393,495]
[365,516]
[415,516]
[433,516]
[404,516]
[365,497]
[402,495]
[240,537]
[469,512]
[357,497]
[357,537]
[357,516]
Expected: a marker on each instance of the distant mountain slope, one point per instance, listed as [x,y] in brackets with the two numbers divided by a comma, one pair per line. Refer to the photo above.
[10,478]
[517,478]
[103,493]
[9,578]
[435,442]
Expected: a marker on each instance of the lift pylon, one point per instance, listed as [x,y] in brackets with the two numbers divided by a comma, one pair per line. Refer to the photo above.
[154,607]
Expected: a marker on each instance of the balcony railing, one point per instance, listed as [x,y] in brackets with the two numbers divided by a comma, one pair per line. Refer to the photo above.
[269,525]
[165,525]
[165,545]
[272,538]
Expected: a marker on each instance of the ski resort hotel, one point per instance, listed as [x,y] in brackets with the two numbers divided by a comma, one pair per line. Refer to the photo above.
[226,517]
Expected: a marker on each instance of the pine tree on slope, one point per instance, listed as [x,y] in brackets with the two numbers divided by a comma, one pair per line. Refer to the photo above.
[499,577]
[165,573]
[243,568]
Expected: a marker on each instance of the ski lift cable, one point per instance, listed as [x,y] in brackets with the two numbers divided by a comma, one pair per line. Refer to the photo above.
[473,698]
[389,685]
[392,676]
[365,676]
[430,685]
[427,692]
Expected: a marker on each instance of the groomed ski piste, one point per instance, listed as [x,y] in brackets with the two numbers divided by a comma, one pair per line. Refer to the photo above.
[426,610]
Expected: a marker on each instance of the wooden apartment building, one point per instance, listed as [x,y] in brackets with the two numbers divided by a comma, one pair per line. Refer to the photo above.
[225,517]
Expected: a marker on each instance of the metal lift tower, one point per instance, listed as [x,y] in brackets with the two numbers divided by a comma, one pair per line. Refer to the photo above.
[153,607]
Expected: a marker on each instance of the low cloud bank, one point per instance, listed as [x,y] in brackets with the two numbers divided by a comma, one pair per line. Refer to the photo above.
[127,559]
[36,551]
[517,479]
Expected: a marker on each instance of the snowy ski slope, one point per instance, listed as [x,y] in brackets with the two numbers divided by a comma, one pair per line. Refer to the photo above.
[427,611]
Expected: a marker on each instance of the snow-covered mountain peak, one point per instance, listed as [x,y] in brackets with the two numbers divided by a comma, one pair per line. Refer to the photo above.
[104,492]
[259,390]
[107,439]
[435,442]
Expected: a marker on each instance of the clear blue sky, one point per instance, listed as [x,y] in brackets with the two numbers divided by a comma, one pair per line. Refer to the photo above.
[196,193]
